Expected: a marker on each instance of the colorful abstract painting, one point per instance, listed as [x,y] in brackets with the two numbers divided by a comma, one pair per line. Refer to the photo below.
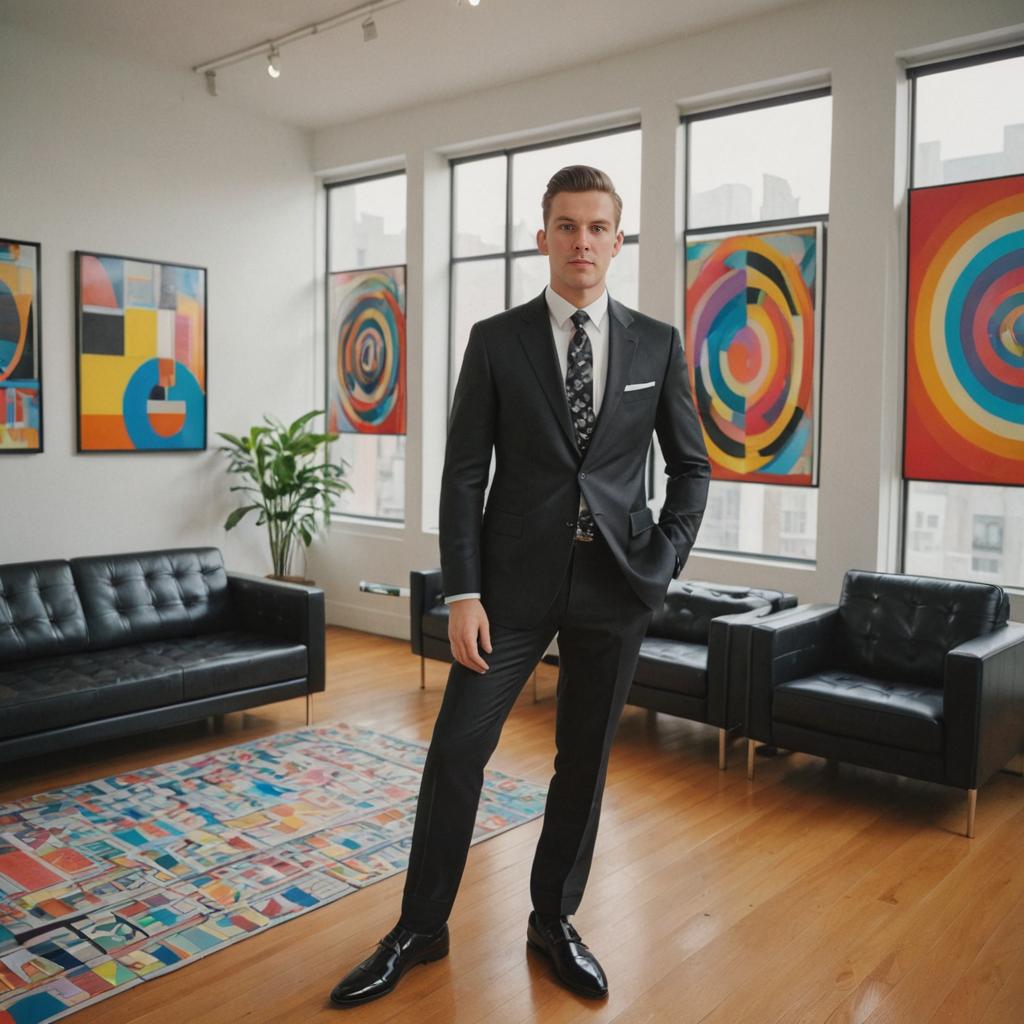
[753,342]
[106,884]
[965,333]
[366,352]
[21,384]
[141,355]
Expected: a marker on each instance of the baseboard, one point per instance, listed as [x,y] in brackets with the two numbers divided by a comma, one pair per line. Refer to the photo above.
[368,620]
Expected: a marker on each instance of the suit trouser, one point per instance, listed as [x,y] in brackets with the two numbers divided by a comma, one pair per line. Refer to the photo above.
[600,623]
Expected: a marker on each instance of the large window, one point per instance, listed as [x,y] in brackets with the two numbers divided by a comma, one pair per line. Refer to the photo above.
[967,126]
[366,230]
[750,169]
[496,215]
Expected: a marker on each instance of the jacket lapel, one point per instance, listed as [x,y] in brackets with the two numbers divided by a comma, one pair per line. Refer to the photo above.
[539,345]
[621,349]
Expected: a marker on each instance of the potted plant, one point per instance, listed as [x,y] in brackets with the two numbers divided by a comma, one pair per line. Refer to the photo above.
[287,481]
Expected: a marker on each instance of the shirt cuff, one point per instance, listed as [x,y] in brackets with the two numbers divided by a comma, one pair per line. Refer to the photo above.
[459,597]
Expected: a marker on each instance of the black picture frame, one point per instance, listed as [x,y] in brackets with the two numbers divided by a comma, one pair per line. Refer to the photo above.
[102,338]
[36,329]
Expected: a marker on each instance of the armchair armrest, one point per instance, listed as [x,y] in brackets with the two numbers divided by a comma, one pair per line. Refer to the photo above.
[728,656]
[785,646]
[424,592]
[289,611]
[983,705]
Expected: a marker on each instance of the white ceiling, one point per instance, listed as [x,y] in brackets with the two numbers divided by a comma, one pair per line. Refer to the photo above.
[426,49]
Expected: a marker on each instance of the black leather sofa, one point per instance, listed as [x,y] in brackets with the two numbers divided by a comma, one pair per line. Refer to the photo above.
[917,676]
[102,647]
[692,661]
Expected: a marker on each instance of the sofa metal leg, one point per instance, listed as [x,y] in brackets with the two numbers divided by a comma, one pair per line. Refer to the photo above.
[309,709]
[751,747]
[423,672]
[972,803]
[723,740]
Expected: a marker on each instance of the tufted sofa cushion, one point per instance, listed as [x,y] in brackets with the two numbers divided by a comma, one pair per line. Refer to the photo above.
[152,595]
[841,703]
[51,693]
[40,614]
[690,606]
[901,627]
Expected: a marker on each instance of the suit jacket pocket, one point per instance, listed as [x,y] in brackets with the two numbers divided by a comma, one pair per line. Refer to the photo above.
[640,520]
[507,523]
[641,394]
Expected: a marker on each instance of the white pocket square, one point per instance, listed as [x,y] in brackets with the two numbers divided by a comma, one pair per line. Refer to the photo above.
[640,387]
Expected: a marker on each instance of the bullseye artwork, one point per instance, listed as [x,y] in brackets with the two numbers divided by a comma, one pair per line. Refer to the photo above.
[141,354]
[753,344]
[366,352]
[965,333]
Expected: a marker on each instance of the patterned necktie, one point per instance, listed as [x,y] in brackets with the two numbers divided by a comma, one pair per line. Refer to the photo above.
[579,390]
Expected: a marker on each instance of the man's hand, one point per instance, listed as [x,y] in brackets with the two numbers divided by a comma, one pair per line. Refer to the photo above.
[467,621]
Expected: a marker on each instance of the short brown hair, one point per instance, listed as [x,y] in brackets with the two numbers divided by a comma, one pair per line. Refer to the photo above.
[580,178]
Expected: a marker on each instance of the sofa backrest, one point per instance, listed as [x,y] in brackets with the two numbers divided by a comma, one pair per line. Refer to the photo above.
[152,595]
[690,605]
[40,613]
[901,627]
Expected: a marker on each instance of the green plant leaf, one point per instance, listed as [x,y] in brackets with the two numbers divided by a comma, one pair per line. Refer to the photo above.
[238,515]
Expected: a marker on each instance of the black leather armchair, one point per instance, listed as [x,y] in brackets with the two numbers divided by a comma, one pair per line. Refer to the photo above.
[913,675]
[693,659]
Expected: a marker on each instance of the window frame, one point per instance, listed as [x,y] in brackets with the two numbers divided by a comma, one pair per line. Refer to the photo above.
[685,120]
[328,186]
[508,254]
[913,74]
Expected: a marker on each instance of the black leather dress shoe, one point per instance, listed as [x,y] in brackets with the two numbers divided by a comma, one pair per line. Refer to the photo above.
[382,970]
[577,968]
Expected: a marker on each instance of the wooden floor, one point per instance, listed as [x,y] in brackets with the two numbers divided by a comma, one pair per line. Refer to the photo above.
[807,895]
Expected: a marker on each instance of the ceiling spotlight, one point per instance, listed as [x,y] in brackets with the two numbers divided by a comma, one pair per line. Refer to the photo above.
[274,63]
[369,30]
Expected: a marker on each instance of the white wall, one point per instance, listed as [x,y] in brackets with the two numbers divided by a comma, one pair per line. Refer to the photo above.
[117,158]
[860,48]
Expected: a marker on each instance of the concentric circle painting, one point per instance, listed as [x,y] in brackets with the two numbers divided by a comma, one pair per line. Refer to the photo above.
[366,352]
[753,347]
[965,333]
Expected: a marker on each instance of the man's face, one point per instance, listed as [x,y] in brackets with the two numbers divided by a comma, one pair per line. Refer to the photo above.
[580,241]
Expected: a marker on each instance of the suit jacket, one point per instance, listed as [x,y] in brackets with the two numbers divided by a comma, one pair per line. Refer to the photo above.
[510,399]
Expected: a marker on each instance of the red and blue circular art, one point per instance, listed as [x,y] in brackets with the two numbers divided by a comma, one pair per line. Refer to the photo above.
[751,344]
[965,333]
[367,352]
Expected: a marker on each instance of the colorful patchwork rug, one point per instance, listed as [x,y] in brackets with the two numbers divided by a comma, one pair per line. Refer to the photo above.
[109,883]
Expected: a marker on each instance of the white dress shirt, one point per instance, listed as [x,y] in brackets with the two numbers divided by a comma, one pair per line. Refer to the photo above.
[560,312]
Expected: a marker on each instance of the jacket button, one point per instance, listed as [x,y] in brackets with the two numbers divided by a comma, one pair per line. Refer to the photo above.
[583,476]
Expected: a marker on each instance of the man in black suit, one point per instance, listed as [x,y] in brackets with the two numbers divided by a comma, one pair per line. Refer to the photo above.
[565,391]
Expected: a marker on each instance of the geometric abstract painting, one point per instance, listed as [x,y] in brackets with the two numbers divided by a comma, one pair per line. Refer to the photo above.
[366,352]
[107,884]
[141,355]
[21,406]
[965,333]
[753,341]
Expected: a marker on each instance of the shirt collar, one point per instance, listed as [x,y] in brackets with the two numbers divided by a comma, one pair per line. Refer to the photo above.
[562,310]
